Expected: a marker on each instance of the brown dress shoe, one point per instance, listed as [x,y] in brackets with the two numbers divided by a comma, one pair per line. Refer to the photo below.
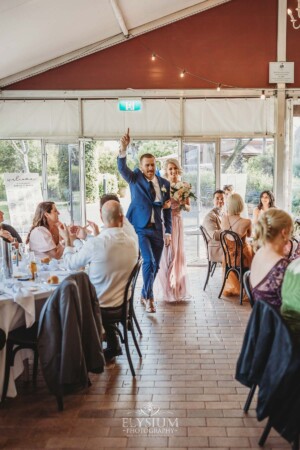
[150,307]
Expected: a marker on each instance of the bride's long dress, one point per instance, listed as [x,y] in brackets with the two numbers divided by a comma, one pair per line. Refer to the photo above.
[171,283]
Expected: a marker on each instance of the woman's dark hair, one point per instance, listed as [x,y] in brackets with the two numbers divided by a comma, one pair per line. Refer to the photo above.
[271,199]
[39,219]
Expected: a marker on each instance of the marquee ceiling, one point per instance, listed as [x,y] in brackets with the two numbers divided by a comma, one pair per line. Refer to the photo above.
[36,35]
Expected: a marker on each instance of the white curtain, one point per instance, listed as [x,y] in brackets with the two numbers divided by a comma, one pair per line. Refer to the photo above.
[39,118]
[219,117]
[158,117]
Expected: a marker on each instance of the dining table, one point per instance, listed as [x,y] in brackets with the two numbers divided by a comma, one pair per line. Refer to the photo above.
[21,301]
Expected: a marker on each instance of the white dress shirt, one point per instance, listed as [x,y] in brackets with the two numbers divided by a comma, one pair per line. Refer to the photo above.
[127,228]
[111,257]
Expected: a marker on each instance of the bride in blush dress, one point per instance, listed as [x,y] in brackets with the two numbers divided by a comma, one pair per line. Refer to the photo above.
[171,281]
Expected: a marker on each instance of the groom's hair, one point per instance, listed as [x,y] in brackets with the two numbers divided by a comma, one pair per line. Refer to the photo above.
[146,155]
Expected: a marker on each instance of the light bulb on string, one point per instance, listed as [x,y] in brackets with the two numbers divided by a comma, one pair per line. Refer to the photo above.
[182,73]
[153,57]
[263,95]
[219,87]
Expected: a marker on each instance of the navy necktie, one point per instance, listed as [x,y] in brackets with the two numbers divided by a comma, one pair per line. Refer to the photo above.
[152,191]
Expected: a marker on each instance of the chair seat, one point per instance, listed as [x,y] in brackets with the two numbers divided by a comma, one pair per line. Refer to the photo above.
[23,335]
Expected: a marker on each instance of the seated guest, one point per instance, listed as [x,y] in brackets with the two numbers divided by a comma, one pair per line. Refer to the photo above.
[212,224]
[243,227]
[229,190]
[266,201]
[43,237]
[11,232]
[269,264]
[82,233]
[111,256]
[290,307]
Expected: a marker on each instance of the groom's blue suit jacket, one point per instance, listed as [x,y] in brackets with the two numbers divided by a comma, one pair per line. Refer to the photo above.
[140,209]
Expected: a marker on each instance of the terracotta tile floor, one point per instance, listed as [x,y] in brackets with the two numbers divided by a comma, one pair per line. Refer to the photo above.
[184,385]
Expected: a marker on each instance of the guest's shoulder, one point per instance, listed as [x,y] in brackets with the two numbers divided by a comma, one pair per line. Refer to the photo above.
[41,230]
[210,214]
[246,221]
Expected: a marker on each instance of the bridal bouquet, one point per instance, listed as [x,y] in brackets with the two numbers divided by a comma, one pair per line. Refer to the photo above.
[181,191]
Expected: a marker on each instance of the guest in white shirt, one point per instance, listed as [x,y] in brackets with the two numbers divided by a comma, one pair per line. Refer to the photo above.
[111,256]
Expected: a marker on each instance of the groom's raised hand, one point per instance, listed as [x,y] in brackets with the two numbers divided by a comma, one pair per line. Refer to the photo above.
[125,141]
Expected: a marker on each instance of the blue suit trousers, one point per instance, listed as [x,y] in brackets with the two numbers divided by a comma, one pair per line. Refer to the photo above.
[151,245]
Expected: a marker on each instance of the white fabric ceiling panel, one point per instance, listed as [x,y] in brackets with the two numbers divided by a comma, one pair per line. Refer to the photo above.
[34,32]
[38,118]
[219,117]
[102,118]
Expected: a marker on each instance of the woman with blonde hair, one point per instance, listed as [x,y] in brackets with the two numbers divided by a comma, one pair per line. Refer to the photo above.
[243,227]
[272,233]
[171,281]
[43,237]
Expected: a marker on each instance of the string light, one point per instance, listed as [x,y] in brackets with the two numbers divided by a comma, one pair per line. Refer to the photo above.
[219,86]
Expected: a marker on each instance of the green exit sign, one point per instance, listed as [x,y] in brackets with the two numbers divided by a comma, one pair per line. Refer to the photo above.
[130,104]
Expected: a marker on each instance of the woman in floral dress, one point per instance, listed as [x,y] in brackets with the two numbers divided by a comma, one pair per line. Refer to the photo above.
[272,233]
[171,283]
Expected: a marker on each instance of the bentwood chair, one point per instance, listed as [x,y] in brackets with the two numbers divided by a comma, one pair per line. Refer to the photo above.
[211,265]
[293,247]
[233,258]
[268,349]
[126,318]
[140,260]
[18,339]
[247,287]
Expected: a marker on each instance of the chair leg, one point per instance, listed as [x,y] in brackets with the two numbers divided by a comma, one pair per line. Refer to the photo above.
[35,366]
[295,445]
[213,268]
[60,402]
[207,275]
[8,363]
[223,285]
[265,434]
[249,398]
[135,341]
[136,323]
[128,351]
[241,293]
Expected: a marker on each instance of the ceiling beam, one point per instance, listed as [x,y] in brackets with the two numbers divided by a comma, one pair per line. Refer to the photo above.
[136,93]
[119,16]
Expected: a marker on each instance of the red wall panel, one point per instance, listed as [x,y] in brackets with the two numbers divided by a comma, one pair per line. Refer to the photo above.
[230,44]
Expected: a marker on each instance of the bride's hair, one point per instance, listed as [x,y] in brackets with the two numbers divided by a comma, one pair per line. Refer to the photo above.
[176,164]
[270,224]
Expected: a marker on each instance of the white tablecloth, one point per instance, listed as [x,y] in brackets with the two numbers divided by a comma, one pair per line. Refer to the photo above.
[20,307]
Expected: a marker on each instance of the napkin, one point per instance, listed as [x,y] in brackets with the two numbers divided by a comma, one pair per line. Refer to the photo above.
[25,299]
[53,265]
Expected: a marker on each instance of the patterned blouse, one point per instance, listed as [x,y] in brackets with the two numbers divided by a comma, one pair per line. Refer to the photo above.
[269,288]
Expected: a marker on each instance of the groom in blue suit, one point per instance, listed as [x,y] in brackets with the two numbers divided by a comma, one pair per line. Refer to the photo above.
[150,196]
